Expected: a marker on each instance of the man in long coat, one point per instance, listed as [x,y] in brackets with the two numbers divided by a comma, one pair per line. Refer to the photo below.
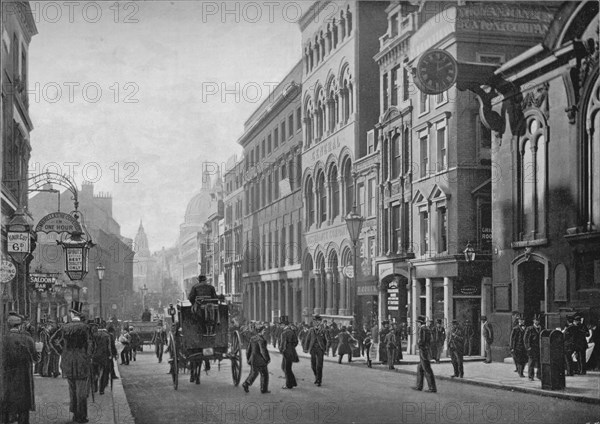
[258,359]
[439,333]
[456,345]
[532,345]
[517,346]
[77,345]
[159,339]
[102,357]
[50,357]
[317,343]
[287,346]
[424,367]
[344,339]
[488,338]
[382,345]
[19,355]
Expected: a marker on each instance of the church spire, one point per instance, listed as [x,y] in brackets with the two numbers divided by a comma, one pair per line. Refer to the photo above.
[141,242]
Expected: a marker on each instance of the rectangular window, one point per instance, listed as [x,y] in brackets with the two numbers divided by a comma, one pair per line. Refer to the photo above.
[424,152]
[395,85]
[441,98]
[424,224]
[275,249]
[396,156]
[298,119]
[384,90]
[269,147]
[276,138]
[394,25]
[442,144]
[372,209]
[370,141]
[361,199]
[406,225]
[291,125]
[396,229]
[263,145]
[442,229]
[283,132]
[282,247]
[405,85]
[423,103]
[270,252]
[276,184]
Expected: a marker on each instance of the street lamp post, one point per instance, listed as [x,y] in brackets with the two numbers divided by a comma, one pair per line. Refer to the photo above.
[144,289]
[354,222]
[100,271]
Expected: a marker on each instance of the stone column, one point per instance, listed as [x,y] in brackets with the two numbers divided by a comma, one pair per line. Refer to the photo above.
[428,299]
[416,311]
[287,297]
[273,304]
[318,292]
[296,307]
[382,299]
[448,307]
[329,282]
[280,303]
[343,304]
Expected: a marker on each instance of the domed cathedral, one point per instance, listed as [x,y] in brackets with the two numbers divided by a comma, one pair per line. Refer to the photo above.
[144,266]
[191,232]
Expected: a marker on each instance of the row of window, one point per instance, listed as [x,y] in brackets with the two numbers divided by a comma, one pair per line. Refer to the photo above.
[278,135]
[325,42]
[274,249]
[280,182]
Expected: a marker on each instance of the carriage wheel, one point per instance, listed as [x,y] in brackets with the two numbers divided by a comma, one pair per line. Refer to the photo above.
[235,355]
[174,364]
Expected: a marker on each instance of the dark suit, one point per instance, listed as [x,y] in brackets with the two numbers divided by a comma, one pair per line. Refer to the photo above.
[258,359]
[424,367]
[19,355]
[532,345]
[517,348]
[101,359]
[316,343]
[159,339]
[77,350]
[456,345]
[202,289]
[488,337]
[287,346]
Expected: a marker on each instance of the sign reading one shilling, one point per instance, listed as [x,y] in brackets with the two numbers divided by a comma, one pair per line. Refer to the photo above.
[58,222]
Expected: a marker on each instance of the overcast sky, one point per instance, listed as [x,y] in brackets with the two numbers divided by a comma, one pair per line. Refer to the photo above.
[153,109]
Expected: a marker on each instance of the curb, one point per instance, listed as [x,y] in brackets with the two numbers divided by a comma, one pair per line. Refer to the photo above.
[121,410]
[539,392]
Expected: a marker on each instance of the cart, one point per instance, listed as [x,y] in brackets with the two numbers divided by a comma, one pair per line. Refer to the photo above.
[202,333]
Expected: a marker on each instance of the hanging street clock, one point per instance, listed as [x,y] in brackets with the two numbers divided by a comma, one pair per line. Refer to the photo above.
[436,71]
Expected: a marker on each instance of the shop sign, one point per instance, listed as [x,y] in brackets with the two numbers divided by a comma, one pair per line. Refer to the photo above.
[18,242]
[7,271]
[468,290]
[58,222]
[42,282]
[367,290]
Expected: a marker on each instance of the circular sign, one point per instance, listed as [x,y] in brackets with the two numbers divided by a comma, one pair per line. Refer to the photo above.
[436,71]
[349,271]
[7,271]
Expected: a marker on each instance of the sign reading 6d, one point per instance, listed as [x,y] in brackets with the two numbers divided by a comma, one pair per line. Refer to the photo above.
[18,242]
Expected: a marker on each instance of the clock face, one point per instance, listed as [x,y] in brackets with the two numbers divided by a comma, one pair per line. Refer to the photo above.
[436,71]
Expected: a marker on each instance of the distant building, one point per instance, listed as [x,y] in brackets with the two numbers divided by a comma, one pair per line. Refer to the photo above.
[144,268]
[112,250]
[233,231]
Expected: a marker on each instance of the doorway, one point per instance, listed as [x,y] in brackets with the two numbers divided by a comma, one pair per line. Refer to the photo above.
[531,281]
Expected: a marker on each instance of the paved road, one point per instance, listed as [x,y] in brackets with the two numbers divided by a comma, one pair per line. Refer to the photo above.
[350,394]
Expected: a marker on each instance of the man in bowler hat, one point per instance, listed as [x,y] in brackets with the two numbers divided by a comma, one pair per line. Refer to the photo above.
[488,338]
[287,346]
[258,359]
[317,343]
[424,367]
[77,344]
[456,345]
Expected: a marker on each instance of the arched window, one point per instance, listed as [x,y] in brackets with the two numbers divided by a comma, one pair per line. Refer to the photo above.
[308,123]
[532,157]
[348,185]
[396,156]
[310,203]
[322,198]
[334,189]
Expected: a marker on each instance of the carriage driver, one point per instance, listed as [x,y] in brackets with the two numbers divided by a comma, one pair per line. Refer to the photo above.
[211,312]
[202,288]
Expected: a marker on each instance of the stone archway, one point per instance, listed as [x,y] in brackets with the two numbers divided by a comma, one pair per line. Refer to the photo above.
[530,275]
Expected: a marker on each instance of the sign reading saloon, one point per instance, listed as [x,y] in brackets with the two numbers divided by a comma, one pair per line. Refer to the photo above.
[58,222]
[42,282]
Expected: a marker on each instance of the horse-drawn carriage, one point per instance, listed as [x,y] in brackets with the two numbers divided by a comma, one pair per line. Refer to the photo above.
[202,333]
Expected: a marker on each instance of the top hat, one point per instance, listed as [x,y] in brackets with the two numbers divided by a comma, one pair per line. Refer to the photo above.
[98,320]
[201,278]
[570,318]
[439,320]
[385,322]
[76,308]
[520,317]
[284,320]
[537,317]
[421,319]
[317,317]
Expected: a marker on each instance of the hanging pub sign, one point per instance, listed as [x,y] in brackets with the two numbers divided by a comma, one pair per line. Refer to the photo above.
[42,282]
[76,255]
[58,222]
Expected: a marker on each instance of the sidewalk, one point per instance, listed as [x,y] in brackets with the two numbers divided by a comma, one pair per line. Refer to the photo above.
[52,403]
[497,375]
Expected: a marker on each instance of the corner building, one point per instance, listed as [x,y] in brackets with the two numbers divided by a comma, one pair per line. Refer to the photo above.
[340,92]
[436,167]
[271,223]
[546,214]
